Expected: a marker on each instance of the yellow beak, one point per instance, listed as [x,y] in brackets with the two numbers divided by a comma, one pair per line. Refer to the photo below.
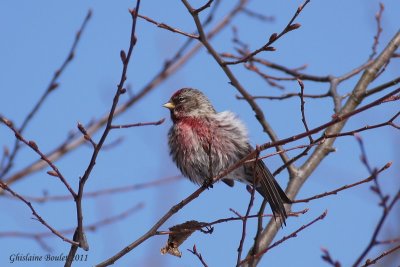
[169,105]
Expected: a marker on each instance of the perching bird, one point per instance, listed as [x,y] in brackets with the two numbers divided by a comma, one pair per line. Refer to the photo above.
[200,136]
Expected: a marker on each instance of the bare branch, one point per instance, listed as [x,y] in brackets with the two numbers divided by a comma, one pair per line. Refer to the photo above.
[274,37]
[378,228]
[249,206]
[107,191]
[303,116]
[50,88]
[378,18]
[38,217]
[292,235]
[373,261]
[170,67]
[91,227]
[167,27]
[79,235]
[138,124]
[328,259]
[35,148]
[235,82]
[382,87]
[259,16]
[334,192]
[198,255]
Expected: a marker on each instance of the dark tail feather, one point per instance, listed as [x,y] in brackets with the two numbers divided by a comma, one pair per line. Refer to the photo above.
[269,188]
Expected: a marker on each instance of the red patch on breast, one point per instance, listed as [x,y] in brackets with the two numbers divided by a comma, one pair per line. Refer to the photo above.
[199,126]
[194,131]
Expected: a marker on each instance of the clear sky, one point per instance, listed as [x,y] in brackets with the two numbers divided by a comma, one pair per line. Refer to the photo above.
[335,37]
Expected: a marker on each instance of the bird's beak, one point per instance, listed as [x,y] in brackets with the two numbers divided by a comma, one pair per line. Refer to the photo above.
[169,105]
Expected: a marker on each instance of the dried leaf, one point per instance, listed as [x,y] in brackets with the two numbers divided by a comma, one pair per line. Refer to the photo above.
[180,233]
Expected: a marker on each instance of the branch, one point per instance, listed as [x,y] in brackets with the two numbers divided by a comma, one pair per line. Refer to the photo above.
[209,228]
[335,128]
[377,230]
[303,116]
[153,231]
[328,259]
[167,27]
[378,18]
[274,37]
[91,227]
[43,157]
[50,88]
[292,235]
[249,206]
[38,217]
[373,261]
[286,96]
[79,235]
[334,192]
[108,191]
[138,124]
[198,255]
[235,82]
[382,87]
[170,67]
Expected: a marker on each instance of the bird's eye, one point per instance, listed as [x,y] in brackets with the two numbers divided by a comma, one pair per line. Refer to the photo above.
[181,99]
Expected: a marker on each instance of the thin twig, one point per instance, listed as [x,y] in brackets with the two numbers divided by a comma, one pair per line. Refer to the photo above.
[249,206]
[385,253]
[326,256]
[198,255]
[292,235]
[382,87]
[334,192]
[171,66]
[138,124]
[35,148]
[229,219]
[79,235]
[90,227]
[153,230]
[50,88]
[235,82]
[287,95]
[38,217]
[259,16]
[303,116]
[107,191]
[167,27]
[274,37]
[378,18]
[378,228]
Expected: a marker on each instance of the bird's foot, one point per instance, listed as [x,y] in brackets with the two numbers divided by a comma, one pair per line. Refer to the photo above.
[208,183]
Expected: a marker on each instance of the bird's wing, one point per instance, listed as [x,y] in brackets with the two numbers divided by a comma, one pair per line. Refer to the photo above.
[268,187]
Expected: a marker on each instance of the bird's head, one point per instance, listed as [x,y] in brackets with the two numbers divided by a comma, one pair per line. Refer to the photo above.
[188,102]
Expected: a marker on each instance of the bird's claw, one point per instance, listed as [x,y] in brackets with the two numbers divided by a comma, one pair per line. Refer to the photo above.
[208,183]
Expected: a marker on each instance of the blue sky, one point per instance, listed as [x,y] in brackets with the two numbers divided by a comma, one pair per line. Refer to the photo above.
[335,37]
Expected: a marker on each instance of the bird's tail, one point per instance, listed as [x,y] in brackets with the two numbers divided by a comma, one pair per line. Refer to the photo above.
[269,188]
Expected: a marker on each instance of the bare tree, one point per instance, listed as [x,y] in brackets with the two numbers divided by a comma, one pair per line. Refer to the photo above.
[356,91]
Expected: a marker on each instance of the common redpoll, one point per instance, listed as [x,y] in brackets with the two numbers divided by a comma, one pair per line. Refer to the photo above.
[203,143]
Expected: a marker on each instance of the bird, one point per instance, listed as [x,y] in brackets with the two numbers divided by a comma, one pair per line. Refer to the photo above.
[203,143]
